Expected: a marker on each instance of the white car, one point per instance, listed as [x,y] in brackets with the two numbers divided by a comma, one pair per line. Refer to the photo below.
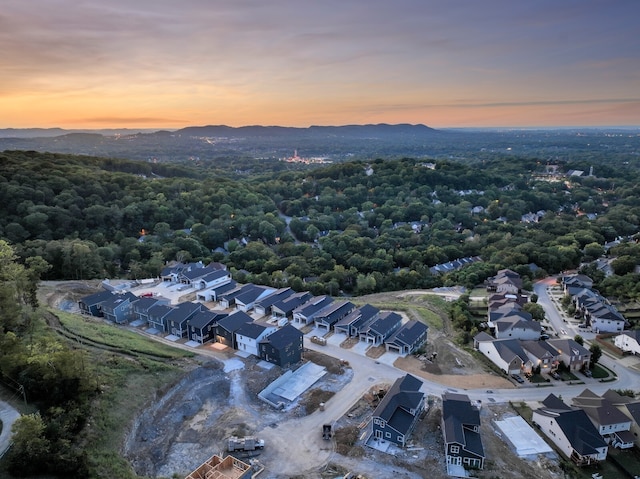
[563,331]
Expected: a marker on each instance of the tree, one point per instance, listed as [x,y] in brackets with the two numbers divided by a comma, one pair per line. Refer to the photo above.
[596,354]
[29,452]
[579,339]
[535,310]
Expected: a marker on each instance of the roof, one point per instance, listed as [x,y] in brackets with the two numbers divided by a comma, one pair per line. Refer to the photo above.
[315,304]
[358,316]
[582,435]
[182,311]
[508,349]
[216,274]
[569,346]
[601,410]
[283,337]
[251,330]
[460,419]
[117,299]
[197,272]
[403,396]
[251,292]
[203,318]
[634,334]
[539,349]
[292,302]
[143,304]
[384,322]
[554,403]
[408,333]
[274,297]
[159,310]
[334,311]
[234,321]
[96,298]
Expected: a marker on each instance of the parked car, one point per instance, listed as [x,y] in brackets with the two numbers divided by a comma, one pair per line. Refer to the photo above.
[587,372]
[544,337]
[554,375]
[518,378]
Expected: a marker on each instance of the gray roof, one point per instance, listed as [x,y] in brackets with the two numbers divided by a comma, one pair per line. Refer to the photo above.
[582,434]
[182,311]
[96,298]
[403,396]
[234,321]
[313,306]
[292,302]
[460,419]
[358,316]
[283,337]
[384,322]
[251,330]
[408,333]
[204,318]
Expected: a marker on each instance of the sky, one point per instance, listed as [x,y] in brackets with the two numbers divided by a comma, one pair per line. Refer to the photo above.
[443,63]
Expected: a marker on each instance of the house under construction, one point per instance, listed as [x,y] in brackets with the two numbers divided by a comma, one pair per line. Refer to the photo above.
[218,468]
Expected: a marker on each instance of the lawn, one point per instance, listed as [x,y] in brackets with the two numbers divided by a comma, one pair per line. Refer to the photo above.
[125,341]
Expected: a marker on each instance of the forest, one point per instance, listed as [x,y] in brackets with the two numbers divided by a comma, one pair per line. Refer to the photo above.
[349,228]
[354,227]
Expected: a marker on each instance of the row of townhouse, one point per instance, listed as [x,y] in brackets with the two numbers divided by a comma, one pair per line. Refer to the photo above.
[593,309]
[585,430]
[367,323]
[514,356]
[196,322]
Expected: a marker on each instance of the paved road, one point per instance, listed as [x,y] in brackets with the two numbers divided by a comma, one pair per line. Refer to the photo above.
[8,415]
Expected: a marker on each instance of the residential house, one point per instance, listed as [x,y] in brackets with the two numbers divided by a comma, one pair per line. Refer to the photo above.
[249,335]
[176,320]
[571,431]
[227,327]
[156,315]
[507,354]
[333,313]
[505,281]
[284,308]
[305,313]
[629,406]
[142,305]
[573,283]
[356,319]
[399,410]
[214,293]
[92,304]
[613,425]
[573,355]
[461,431]
[378,331]
[194,273]
[408,338]
[228,299]
[215,278]
[516,325]
[542,355]
[262,307]
[119,308]
[628,341]
[283,347]
[171,273]
[250,294]
[202,326]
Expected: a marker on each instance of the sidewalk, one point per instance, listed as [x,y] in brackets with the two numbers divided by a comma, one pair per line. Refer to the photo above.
[8,416]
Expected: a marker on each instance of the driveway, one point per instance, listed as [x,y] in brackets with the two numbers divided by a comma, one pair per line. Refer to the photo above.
[8,416]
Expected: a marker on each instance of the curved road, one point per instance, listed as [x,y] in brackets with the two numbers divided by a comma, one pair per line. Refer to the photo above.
[8,415]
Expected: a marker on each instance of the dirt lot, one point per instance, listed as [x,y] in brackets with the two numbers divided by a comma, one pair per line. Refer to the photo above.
[191,422]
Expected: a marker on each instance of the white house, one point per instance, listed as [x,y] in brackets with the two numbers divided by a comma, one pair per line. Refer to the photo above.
[249,335]
[507,354]
[571,431]
[628,341]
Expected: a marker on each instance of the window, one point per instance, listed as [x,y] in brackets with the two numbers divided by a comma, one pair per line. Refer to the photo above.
[455,449]
[387,434]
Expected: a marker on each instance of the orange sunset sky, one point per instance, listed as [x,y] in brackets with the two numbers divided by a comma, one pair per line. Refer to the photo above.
[454,63]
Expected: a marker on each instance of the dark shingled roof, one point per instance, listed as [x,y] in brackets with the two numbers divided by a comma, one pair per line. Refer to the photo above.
[403,396]
[283,337]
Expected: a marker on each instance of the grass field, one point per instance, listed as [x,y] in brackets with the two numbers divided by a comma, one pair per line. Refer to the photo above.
[109,335]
